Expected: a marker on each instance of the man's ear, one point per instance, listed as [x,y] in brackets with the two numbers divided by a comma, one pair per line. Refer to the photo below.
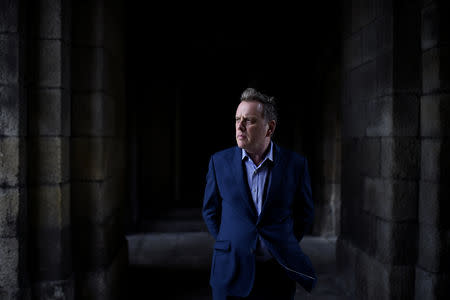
[272,124]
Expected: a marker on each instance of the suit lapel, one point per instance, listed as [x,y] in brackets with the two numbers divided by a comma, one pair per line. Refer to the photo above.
[241,182]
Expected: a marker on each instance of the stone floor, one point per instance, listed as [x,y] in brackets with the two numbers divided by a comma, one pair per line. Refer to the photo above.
[176,266]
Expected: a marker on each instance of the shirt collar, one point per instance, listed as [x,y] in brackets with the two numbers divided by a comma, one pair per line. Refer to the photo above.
[268,156]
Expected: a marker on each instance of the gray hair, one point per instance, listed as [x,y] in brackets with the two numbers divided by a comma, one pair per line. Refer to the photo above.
[269,105]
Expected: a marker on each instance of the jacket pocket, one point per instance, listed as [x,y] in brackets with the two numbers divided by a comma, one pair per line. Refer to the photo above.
[222,246]
[223,265]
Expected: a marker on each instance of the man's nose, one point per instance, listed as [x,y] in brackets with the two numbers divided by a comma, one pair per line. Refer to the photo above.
[240,125]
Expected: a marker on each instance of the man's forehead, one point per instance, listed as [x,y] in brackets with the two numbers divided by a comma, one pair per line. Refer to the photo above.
[249,108]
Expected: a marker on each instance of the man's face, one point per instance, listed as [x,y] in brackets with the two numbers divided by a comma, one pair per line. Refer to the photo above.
[251,127]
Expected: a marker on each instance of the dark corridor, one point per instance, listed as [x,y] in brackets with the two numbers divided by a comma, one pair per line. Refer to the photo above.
[185,73]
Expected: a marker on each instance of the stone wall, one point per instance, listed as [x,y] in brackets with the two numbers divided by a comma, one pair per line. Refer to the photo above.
[13,151]
[97,153]
[62,150]
[381,149]
[433,262]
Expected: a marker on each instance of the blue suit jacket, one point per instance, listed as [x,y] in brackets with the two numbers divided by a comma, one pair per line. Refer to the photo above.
[230,216]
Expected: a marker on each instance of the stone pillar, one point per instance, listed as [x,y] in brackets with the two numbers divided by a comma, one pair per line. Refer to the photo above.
[327,195]
[377,248]
[97,156]
[14,279]
[433,264]
[49,151]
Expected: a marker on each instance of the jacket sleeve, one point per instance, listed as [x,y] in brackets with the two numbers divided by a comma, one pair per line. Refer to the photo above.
[212,202]
[303,207]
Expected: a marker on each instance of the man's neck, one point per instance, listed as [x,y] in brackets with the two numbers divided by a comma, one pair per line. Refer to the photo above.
[258,156]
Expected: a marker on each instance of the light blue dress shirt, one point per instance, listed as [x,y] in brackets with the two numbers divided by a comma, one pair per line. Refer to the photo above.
[256,177]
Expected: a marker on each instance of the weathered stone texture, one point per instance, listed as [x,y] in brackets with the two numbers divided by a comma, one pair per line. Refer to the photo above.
[10,161]
[50,113]
[10,111]
[9,58]
[93,114]
[435,115]
[49,160]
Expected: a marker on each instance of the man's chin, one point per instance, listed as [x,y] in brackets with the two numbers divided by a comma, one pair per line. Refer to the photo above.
[241,145]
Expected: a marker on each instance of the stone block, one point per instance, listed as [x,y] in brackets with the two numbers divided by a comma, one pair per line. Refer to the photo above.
[394,200]
[90,158]
[9,16]
[375,280]
[331,167]
[55,289]
[352,53]
[9,211]
[364,232]
[364,79]
[369,42]
[430,27]
[435,115]
[435,24]
[436,74]
[393,116]
[93,114]
[400,157]
[114,75]
[435,160]
[50,113]
[50,63]
[434,249]
[12,112]
[346,256]
[9,268]
[9,58]
[396,242]
[370,157]
[107,282]
[385,74]
[11,161]
[51,19]
[88,69]
[431,286]
[406,115]
[354,120]
[346,11]
[407,54]
[363,12]
[96,245]
[95,201]
[327,209]
[371,279]
[434,204]
[90,20]
[50,206]
[49,160]
[51,258]
[384,33]
[380,117]
[383,8]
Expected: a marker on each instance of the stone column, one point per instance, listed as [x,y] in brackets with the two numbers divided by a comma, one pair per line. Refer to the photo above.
[49,150]
[14,279]
[97,154]
[377,248]
[433,264]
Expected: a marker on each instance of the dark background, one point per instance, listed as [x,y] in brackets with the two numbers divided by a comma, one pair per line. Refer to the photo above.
[185,81]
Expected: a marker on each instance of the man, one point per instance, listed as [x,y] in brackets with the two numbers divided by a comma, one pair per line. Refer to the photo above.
[257,205]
